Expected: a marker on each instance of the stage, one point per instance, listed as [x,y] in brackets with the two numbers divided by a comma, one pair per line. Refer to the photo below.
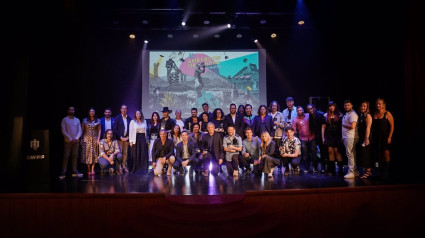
[302,205]
[189,184]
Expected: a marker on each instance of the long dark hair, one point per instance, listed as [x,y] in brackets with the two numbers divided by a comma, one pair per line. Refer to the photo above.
[336,113]
[94,117]
[243,107]
[367,109]
[215,113]
[142,117]
[259,108]
[157,116]
[179,133]
[205,113]
[271,104]
[106,134]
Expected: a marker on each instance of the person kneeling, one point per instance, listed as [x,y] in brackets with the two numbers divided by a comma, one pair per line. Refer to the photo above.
[267,151]
[232,145]
[109,154]
[163,153]
[185,154]
[250,150]
[290,150]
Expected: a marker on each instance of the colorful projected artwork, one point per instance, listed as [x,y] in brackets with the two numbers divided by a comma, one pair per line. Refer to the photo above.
[186,79]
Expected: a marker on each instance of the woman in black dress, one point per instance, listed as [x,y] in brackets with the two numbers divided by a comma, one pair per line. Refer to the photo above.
[364,124]
[382,130]
[332,136]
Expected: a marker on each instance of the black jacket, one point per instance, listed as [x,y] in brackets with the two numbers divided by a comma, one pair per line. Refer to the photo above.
[190,149]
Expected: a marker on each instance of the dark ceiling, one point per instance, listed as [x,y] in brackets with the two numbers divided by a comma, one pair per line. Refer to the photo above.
[167,15]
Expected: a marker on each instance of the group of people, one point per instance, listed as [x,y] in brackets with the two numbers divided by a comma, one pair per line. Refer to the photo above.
[239,141]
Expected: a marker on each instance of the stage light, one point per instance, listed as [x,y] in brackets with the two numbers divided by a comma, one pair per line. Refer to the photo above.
[228,25]
[195,36]
[146,41]
[183,23]
[262,22]
[206,22]
[170,36]
[256,40]
[132,36]
[145,22]
[216,36]
[273,35]
[301,23]
[239,36]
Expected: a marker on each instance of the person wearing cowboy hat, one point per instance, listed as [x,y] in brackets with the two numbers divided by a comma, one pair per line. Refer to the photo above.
[166,122]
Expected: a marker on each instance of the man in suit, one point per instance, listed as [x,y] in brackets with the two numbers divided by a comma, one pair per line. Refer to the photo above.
[121,129]
[235,119]
[185,154]
[212,150]
[106,122]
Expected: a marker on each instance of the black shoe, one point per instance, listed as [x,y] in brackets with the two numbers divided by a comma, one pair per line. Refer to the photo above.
[247,171]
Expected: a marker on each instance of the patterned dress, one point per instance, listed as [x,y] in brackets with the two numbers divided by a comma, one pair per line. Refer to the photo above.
[89,146]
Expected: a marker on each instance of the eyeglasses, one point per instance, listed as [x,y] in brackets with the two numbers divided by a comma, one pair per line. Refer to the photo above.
[309,109]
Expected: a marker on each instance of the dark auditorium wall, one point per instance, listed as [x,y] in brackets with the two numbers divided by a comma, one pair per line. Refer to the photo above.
[354,52]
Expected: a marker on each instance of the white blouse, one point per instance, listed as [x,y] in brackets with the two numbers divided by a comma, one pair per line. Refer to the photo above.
[137,128]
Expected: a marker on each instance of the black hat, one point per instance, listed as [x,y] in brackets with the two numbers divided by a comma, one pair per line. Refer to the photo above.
[165,109]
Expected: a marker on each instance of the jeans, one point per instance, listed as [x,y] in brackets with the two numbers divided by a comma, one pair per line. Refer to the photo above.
[350,150]
[306,148]
[233,165]
[293,161]
[104,163]
[193,164]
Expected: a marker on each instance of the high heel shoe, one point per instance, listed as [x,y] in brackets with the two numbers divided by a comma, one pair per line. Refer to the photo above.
[366,175]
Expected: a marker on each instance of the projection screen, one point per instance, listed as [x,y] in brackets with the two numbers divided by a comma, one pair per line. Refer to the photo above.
[187,79]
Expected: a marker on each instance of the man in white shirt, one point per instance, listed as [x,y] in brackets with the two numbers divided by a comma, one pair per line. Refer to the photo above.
[350,137]
[71,131]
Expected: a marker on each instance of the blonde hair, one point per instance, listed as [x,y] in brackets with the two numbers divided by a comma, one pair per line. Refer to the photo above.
[264,145]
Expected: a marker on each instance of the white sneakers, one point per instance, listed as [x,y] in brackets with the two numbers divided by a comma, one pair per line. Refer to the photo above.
[349,175]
